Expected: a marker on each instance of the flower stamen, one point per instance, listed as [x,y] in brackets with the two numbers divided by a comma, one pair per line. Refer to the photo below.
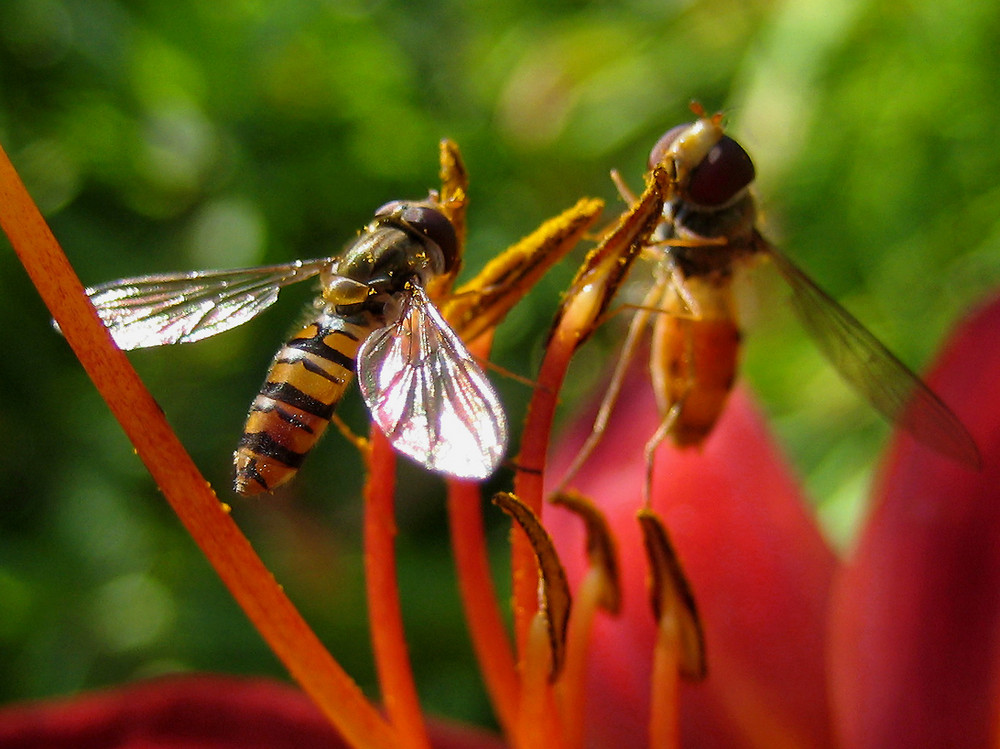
[600,588]
[679,651]
[392,659]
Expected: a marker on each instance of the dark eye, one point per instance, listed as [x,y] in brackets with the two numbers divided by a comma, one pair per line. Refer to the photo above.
[436,227]
[721,175]
[429,222]
[664,143]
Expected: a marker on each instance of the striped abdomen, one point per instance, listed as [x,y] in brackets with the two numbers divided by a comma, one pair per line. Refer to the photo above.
[296,402]
[694,359]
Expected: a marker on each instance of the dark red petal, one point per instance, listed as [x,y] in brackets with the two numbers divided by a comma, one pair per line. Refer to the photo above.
[207,712]
[760,572]
[916,612]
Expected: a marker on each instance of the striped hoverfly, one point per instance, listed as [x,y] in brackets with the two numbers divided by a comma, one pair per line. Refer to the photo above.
[707,232]
[421,385]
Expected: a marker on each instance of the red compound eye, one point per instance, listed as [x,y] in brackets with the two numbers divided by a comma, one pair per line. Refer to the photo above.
[721,175]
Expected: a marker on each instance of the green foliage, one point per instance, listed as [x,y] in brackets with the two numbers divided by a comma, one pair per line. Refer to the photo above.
[172,135]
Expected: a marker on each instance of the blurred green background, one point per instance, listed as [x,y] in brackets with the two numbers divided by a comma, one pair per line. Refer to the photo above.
[179,135]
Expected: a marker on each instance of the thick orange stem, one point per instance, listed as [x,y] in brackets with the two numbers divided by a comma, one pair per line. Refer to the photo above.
[190,496]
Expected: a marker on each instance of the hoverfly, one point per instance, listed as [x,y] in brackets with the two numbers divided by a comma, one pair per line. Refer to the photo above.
[422,387]
[708,231]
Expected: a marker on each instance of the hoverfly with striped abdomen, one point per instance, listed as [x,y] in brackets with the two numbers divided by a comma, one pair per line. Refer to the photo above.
[708,231]
[422,387]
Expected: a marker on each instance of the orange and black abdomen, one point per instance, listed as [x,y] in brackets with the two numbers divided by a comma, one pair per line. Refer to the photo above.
[694,360]
[296,402]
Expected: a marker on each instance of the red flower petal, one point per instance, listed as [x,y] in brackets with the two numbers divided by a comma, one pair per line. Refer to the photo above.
[203,711]
[916,615]
[759,568]
[207,712]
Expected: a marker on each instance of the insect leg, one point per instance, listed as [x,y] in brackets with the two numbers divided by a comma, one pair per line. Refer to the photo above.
[636,327]
[666,426]
[361,443]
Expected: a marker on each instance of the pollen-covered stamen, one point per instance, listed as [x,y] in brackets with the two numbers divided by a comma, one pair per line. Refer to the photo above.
[452,201]
[600,588]
[602,551]
[607,265]
[603,271]
[481,304]
[680,646]
[671,597]
[554,598]
[543,654]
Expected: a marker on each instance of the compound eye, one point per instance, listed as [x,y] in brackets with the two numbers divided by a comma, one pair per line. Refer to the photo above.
[436,227]
[427,221]
[722,174]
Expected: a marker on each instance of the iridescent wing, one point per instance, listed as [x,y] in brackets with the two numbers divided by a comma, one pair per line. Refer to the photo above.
[428,395]
[183,307]
[874,371]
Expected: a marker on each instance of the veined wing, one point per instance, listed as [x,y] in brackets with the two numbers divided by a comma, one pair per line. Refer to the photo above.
[874,371]
[428,395]
[183,307]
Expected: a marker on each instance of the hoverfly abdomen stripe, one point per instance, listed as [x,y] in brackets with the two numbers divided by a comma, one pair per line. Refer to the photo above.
[313,368]
[262,444]
[325,345]
[290,418]
[285,393]
[296,402]
[293,417]
[262,462]
[287,423]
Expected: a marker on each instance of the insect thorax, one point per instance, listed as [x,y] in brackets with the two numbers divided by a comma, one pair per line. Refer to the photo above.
[388,257]
[691,223]
[385,261]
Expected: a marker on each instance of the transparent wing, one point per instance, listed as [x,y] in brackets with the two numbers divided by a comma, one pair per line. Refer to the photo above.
[429,396]
[183,307]
[874,371]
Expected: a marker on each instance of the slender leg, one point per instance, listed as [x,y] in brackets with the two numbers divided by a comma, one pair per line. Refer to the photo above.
[636,327]
[649,451]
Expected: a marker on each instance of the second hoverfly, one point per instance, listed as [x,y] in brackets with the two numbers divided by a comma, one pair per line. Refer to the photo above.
[709,232]
[424,390]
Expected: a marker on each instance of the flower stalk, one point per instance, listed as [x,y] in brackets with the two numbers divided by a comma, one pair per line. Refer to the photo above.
[183,486]
[392,661]
[590,293]
[479,598]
